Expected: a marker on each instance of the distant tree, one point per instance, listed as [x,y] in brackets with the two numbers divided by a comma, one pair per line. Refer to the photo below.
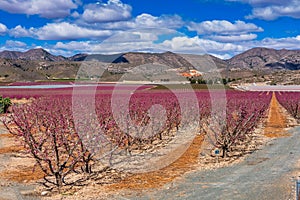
[193,81]
[4,104]
[201,81]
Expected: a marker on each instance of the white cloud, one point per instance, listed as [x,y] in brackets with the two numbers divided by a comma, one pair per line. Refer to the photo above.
[113,10]
[273,9]
[74,45]
[223,27]
[233,38]
[164,21]
[20,31]
[279,43]
[3,29]
[261,2]
[181,44]
[273,12]
[198,45]
[75,15]
[59,31]
[13,43]
[44,8]
[142,21]
[222,56]
[93,47]
[67,31]
[123,41]
[144,28]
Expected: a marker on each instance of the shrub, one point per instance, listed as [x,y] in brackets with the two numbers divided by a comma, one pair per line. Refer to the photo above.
[4,104]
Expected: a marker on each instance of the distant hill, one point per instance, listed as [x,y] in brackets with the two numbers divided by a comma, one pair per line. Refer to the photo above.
[169,59]
[38,64]
[259,58]
[38,54]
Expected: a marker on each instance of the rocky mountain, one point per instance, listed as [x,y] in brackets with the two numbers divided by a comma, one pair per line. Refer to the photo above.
[27,70]
[32,54]
[113,58]
[38,64]
[260,58]
[205,63]
[168,59]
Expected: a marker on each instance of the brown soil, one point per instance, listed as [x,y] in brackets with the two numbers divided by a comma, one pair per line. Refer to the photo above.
[158,178]
[277,120]
[18,166]
[11,149]
[23,174]
[6,135]
[21,101]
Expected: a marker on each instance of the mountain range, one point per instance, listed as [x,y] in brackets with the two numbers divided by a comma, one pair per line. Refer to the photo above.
[38,64]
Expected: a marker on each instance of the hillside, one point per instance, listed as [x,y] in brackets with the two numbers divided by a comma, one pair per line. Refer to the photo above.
[261,58]
[38,64]
[38,54]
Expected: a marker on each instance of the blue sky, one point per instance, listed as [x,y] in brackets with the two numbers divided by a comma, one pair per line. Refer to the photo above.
[222,28]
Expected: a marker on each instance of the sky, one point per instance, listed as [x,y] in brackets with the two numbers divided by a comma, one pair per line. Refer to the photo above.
[223,28]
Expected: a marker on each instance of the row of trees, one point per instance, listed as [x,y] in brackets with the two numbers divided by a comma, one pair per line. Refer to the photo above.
[211,81]
[47,131]
[47,128]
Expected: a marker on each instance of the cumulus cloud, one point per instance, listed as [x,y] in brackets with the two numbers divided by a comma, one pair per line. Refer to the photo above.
[14,43]
[113,10]
[164,21]
[199,45]
[273,12]
[143,27]
[59,31]
[75,45]
[123,41]
[272,9]
[179,44]
[223,27]
[93,47]
[143,21]
[47,9]
[20,31]
[67,31]
[261,2]
[279,43]
[3,29]
[233,38]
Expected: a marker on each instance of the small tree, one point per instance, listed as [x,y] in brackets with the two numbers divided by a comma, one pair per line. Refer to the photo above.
[235,129]
[4,104]
[192,81]
[47,130]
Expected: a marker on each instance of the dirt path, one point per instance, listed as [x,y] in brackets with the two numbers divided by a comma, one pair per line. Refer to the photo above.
[277,120]
[166,175]
[269,173]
